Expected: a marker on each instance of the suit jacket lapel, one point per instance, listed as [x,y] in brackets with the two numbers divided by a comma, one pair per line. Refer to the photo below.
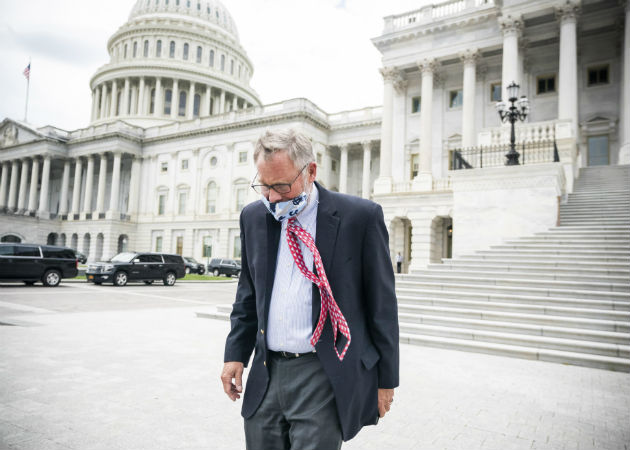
[272,241]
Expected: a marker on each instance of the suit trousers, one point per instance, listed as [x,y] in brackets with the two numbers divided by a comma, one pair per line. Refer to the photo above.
[298,411]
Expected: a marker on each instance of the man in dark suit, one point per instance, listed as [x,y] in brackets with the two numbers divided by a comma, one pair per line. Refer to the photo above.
[316,302]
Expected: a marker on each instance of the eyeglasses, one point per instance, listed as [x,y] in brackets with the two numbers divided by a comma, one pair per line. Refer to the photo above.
[280,188]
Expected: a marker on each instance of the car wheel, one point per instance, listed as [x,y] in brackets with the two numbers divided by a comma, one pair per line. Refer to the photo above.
[29,282]
[120,279]
[51,278]
[169,279]
[215,272]
[187,270]
[202,271]
[148,282]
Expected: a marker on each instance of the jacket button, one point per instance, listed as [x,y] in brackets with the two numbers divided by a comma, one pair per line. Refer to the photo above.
[264,363]
[262,331]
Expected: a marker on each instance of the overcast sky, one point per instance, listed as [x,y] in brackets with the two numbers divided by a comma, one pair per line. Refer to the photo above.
[318,49]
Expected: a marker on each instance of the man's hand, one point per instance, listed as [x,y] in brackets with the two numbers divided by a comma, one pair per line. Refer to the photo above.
[233,370]
[385,400]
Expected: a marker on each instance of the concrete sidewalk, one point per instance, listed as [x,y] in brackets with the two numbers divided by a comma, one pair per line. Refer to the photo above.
[149,379]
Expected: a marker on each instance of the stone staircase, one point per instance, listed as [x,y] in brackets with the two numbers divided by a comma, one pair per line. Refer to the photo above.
[562,295]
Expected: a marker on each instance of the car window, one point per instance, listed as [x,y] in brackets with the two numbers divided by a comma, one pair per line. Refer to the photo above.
[123,257]
[26,250]
[150,258]
[215,261]
[6,250]
[173,259]
[64,253]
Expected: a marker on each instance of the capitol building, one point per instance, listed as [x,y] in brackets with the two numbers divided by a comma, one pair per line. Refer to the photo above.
[167,159]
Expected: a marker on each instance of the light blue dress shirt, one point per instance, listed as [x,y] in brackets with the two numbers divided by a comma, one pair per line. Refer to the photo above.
[290,323]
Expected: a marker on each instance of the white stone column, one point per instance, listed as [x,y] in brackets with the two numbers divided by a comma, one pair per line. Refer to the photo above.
[568,68]
[158,102]
[124,109]
[95,98]
[424,180]
[207,110]
[102,179]
[235,103]
[134,186]
[190,106]
[11,203]
[32,195]
[3,184]
[89,184]
[175,99]
[624,150]
[383,184]
[65,182]
[343,169]
[141,101]
[367,158]
[511,28]
[43,192]
[103,108]
[76,188]
[114,200]
[114,97]
[21,205]
[222,102]
[469,58]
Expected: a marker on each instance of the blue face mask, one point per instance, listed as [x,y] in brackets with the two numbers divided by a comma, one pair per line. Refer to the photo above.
[281,211]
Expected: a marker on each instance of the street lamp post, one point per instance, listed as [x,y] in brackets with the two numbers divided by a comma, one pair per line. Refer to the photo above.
[518,110]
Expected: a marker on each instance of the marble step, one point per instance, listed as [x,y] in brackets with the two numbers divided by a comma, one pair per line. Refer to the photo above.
[619,268]
[605,246]
[538,256]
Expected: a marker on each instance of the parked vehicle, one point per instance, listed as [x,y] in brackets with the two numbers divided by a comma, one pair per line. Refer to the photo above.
[81,257]
[192,266]
[224,266]
[31,263]
[134,266]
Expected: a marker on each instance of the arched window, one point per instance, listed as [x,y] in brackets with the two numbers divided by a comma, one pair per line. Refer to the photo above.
[208,10]
[182,103]
[199,54]
[168,99]
[198,6]
[158,49]
[196,105]
[211,60]
[145,52]
[171,50]
[177,2]
[187,3]
[185,52]
[212,194]
[222,63]
[152,108]
[135,49]
[125,52]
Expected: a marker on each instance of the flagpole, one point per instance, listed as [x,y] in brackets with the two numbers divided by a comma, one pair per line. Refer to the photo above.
[28,83]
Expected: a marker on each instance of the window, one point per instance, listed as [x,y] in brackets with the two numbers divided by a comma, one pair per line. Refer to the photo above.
[187,3]
[26,250]
[173,259]
[125,52]
[333,165]
[237,247]
[231,67]
[546,84]
[415,105]
[495,92]
[207,246]
[185,52]
[222,63]
[168,99]
[199,54]
[598,151]
[196,105]
[182,103]
[456,98]
[151,258]
[241,195]
[211,198]
[171,50]
[213,161]
[152,107]
[242,157]
[135,49]
[161,204]
[211,60]
[415,165]
[158,244]
[181,208]
[597,75]
[239,71]
[164,167]
[158,49]
[184,164]
[145,51]
[198,6]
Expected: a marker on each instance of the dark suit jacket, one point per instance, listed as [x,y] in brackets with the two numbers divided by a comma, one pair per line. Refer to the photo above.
[353,242]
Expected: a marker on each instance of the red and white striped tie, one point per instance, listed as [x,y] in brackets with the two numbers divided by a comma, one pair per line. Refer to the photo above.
[338,321]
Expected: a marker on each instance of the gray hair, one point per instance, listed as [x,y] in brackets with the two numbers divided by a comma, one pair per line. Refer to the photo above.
[297,146]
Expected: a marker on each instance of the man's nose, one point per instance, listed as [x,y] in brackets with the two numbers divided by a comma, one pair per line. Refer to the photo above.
[274,196]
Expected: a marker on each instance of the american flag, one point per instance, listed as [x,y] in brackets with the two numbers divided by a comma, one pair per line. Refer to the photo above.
[27,72]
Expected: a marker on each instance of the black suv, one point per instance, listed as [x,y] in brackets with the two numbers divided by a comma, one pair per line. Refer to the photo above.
[192,266]
[133,266]
[32,262]
[223,266]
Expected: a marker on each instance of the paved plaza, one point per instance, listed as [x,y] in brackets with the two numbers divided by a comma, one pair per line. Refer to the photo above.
[86,367]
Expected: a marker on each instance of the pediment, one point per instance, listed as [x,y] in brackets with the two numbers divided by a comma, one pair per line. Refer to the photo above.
[15,133]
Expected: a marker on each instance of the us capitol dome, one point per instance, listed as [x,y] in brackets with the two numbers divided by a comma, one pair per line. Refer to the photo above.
[173,60]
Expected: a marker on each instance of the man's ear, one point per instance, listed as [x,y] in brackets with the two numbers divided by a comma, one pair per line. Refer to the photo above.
[312,171]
